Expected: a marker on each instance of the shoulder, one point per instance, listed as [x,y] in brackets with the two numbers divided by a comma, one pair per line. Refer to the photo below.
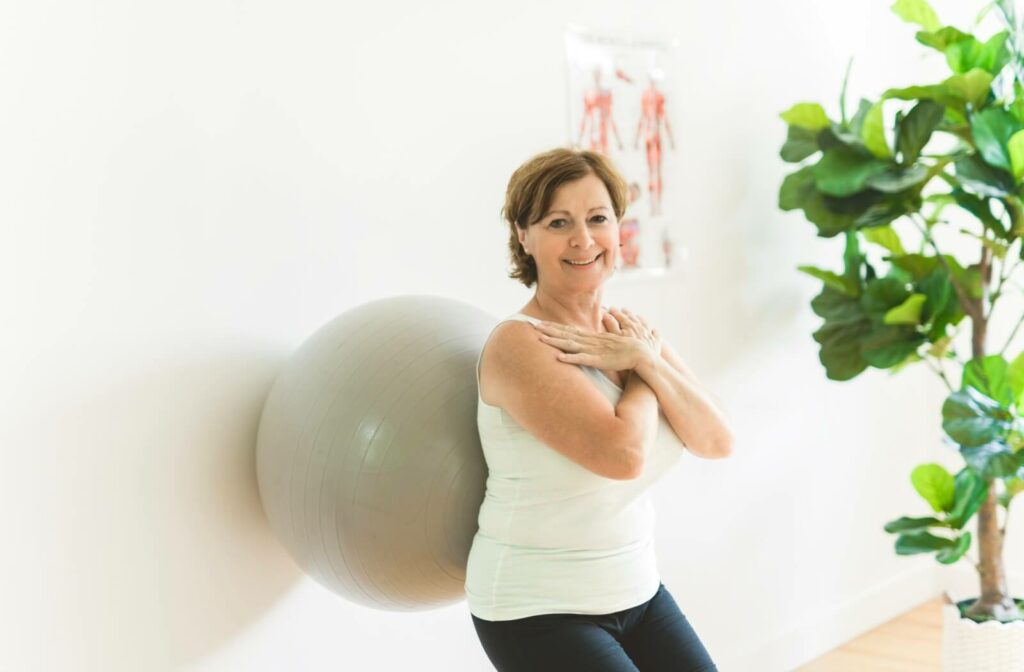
[511,347]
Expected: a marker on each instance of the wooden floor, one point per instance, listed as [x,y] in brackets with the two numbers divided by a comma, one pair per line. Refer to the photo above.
[909,643]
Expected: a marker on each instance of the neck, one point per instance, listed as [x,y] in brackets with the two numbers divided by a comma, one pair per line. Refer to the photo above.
[579,310]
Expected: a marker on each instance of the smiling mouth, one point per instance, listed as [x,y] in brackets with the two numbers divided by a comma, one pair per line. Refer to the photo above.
[583,265]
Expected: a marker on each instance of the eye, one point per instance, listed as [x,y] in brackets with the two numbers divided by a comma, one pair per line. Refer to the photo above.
[600,219]
[554,222]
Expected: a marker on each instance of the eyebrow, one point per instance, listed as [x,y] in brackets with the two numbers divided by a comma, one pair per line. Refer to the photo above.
[566,212]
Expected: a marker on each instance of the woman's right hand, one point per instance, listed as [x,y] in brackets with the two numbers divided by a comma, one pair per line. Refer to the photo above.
[626,323]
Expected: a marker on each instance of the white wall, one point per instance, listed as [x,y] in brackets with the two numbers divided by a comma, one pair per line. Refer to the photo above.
[189,190]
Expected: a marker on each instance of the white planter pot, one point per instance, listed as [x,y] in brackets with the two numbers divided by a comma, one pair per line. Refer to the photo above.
[980,647]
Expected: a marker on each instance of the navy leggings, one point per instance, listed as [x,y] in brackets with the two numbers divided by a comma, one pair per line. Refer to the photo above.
[652,637]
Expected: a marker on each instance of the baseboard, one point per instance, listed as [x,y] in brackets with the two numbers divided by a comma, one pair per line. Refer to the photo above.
[825,630]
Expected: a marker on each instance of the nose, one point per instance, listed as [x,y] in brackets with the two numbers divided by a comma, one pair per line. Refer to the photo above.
[581,237]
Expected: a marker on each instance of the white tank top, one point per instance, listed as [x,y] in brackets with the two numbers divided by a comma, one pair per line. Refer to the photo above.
[554,537]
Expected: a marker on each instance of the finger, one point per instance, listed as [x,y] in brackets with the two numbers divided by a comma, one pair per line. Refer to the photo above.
[621,316]
[576,358]
[611,323]
[555,327]
[565,344]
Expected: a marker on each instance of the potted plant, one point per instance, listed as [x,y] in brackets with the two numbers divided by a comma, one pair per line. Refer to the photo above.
[943,162]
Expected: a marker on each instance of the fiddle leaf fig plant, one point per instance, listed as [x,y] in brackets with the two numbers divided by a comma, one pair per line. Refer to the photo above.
[944,163]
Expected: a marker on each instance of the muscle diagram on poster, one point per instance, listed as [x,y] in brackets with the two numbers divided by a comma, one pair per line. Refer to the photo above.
[621,104]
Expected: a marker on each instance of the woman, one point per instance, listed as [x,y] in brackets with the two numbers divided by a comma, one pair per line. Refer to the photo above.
[580,411]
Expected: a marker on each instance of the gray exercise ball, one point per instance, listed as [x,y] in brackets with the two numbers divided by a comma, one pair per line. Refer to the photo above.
[368,456]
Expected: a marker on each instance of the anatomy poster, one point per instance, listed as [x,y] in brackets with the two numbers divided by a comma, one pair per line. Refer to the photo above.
[621,105]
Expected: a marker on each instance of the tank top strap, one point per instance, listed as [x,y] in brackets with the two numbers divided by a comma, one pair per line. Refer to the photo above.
[521,317]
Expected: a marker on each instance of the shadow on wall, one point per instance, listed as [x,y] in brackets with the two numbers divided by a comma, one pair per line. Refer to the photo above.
[170,552]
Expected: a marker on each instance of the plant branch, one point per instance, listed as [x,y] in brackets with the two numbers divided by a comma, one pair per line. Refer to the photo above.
[1012,334]
[970,306]
[1003,277]
[940,372]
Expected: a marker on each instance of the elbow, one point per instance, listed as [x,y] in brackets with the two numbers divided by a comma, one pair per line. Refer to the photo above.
[629,466]
[714,448]
[721,448]
[634,471]
[629,474]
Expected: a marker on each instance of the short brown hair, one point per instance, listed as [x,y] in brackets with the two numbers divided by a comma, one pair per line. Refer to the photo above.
[533,185]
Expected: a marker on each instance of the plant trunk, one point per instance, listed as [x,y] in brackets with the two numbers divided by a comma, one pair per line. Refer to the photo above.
[995,601]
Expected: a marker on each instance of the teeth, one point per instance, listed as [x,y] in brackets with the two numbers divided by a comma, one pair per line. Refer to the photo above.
[583,263]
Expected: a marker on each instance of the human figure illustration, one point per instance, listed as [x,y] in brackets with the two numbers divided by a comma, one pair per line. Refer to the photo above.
[629,232]
[652,116]
[597,110]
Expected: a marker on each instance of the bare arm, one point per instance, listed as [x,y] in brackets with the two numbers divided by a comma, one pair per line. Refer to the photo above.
[558,403]
[687,405]
[638,408]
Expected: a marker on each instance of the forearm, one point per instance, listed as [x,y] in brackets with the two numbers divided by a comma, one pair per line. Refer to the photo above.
[698,423]
[638,408]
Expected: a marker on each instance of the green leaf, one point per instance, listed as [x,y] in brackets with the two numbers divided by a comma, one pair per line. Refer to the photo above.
[971,418]
[1014,486]
[992,130]
[800,143]
[894,180]
[840,349]
[914,130]
[908,312]
[1017,104]
[843,172]
[873,132]
[982,178]
[935,485]
[921,542]
[906,524]
[837,282]
[1015,147]
[968,53]
[885,236]
[827,214]
[836,307]
[943,307]
[1015,378]
[830,214]
[856,125]
[992,460]
[971,87]
[810,116]
[990,376]
[920,266]
[917,11]
[970,493]
[886,346]
[852,258]
[883,294]
[797,189]
[948,556]
[941,38]
[887,208]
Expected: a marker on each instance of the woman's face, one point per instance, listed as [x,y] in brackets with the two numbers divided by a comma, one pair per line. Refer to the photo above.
[580,225]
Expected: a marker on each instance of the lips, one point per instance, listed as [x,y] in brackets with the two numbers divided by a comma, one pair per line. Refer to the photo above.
[577,262]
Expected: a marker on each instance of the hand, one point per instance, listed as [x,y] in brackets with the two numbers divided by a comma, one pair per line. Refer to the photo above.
[626,322]
[627,344]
